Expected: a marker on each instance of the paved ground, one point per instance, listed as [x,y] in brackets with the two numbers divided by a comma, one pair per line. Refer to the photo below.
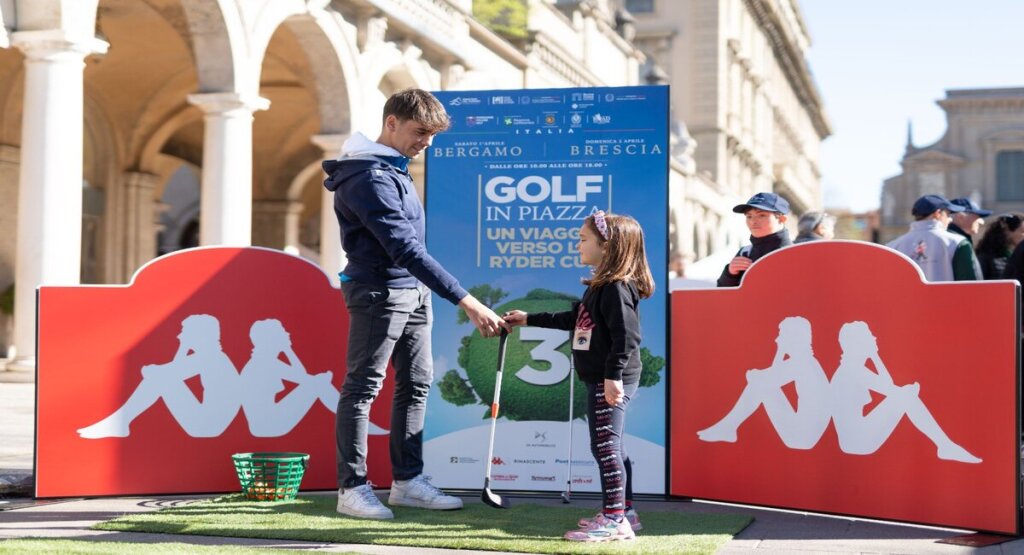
[772,532]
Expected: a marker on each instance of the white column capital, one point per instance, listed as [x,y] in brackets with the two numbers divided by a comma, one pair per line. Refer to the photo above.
[227,102]
[330,144]
[56,44]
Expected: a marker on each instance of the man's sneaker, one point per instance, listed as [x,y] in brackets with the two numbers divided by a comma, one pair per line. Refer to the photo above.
[361,502]
[602,529]
[420,493]
[631,516]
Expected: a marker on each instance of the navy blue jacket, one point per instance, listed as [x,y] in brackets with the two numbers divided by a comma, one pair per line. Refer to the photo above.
[382,226]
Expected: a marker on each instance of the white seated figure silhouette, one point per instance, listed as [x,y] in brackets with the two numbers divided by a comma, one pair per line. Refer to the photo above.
[799,428]
[199,353]
[861,434]
[263,377]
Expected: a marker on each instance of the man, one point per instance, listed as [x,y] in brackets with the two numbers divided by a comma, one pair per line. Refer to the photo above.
[815,226]
[942,255]
[387,284]
[766,215]
[968,222]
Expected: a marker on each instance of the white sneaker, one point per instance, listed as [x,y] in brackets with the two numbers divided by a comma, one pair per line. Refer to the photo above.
[361,502]
[419,492]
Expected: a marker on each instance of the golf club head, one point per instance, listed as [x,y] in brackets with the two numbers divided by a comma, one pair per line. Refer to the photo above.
[493,499]
[565,497]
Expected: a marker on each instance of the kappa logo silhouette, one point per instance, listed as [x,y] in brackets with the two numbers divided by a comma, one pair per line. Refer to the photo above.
[841,400]
[225,390]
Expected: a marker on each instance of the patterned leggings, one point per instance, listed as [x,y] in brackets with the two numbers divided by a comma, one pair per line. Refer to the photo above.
[607,425]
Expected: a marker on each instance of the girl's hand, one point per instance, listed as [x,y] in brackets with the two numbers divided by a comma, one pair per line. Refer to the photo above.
[613,392]
[515,318]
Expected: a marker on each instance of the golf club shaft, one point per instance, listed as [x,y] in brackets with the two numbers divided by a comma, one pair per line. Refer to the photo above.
[495,402]
[572,402]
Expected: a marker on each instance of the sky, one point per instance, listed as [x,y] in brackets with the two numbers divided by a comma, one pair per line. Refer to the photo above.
[881,63]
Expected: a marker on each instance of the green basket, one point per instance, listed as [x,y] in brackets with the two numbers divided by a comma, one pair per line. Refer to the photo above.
[270,476]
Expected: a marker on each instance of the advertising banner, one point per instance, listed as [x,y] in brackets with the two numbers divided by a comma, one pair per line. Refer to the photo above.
[834,379]
[149,388]
[507,189]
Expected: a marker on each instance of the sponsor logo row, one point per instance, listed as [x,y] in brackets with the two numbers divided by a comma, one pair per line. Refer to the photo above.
[526,99]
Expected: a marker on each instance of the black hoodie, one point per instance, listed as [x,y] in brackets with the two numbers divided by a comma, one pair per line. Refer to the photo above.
[758,247]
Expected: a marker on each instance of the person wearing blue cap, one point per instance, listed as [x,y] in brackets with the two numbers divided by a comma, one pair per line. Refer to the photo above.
[766,218]
[968,222]
[941,254]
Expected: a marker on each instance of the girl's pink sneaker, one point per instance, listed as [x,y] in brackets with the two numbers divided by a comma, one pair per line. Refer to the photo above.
[631,516]
[602,529]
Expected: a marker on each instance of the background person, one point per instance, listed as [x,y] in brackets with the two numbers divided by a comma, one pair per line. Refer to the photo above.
[766,219]
[815,226]
[967,223]
[941,255]
[996,245]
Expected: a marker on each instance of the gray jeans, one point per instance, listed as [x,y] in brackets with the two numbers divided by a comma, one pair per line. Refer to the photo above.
[384,324]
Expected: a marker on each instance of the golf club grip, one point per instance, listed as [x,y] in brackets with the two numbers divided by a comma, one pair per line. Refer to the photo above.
[501,350]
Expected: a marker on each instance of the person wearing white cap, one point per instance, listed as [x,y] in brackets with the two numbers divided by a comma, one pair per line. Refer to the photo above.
[941,254]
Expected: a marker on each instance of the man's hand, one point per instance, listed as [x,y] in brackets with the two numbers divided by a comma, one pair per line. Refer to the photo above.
[515,318]
[739,265]
[483,318]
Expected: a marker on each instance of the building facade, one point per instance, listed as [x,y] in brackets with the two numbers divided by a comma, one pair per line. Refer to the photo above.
[133,128]
[743,90]
[981,156]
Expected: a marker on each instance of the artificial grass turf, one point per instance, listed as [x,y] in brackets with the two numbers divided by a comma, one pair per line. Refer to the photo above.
[87,547]
[527,528]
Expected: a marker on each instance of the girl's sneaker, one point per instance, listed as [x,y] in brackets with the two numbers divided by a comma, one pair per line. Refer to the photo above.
[631,516]
[602,529]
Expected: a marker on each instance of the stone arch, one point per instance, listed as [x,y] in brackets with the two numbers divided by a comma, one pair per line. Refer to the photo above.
[335,79]
[218,40]
[150,154]
[308,71]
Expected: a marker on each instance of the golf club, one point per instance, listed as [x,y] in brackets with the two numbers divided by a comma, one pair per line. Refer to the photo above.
[567,494]
[488,496]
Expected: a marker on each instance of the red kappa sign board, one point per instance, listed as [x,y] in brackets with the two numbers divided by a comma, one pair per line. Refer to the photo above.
[835,380]
[150,388]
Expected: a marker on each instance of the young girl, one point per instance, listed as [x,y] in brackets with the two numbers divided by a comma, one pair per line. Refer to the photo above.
[606,350]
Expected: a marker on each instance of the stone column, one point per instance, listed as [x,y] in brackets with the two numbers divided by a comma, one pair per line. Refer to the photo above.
[226,197]
[332,258]
[50,184]
[9,159]
[277,224]
[141,215]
